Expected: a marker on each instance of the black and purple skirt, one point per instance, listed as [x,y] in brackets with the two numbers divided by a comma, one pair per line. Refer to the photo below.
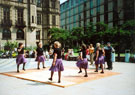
[82,63]
[40,58]
[58,66]
[20,59]
[100,60]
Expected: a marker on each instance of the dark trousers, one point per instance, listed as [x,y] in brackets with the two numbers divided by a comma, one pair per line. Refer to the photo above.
[109,63]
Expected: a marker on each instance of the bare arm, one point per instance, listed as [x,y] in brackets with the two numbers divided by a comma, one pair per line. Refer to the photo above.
[19,49]
[54,59]
[97,54]
[103,52]
[81,56]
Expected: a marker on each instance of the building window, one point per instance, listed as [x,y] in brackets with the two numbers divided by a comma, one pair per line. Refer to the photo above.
[98,9]
[6,14]
[84,5]
[37,35]
[91,12]
[20,16]
[38,18]
[67,5]
[20,1]
[98,6]
[38,3]
[98,2]
[91,3]
[32,19]
[53,20]
[6,34]
[53,4]
[72,2]
[76,1]
[32,1]
[20,34]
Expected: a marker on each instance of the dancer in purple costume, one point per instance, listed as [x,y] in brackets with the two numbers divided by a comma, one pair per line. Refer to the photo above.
[57,65]
[21,57]
[83,63]
[99,57]
[40,56]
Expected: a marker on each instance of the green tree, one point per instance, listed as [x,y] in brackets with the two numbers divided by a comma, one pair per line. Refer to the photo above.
[10,45]
[89,33]
[128,34]
[56,34]
[96,32]
[76,36]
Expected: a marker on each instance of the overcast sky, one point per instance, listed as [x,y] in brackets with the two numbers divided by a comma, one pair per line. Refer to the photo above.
[61,1]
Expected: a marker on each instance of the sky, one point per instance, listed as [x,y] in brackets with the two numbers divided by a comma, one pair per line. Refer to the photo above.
[61,1]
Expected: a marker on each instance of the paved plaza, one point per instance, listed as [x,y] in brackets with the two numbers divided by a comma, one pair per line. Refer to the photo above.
[121,84]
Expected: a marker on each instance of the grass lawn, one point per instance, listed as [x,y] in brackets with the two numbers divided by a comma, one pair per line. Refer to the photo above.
[122,55]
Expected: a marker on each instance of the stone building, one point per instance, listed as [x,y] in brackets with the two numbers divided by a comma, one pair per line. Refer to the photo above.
[28,21]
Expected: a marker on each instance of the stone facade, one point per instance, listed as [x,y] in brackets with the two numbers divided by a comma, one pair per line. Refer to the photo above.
[28,21]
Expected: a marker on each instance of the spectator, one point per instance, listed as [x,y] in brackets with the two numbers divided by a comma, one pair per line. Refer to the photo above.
[91,52]
[108,55]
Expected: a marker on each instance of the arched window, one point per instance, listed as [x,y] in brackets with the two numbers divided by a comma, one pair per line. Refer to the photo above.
[20,34]
[6,34]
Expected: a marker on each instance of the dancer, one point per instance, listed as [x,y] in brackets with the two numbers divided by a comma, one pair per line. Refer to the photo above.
[83,63]
[20,58]
[99,57]
[57,65]
[40,56]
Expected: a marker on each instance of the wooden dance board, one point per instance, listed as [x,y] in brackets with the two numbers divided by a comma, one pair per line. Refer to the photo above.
[70,76]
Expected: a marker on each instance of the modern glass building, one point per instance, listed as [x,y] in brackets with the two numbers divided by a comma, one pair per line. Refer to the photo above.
[78,13]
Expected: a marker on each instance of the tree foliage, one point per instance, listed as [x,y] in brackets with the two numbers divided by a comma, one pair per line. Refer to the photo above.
[123,36]
[10,45]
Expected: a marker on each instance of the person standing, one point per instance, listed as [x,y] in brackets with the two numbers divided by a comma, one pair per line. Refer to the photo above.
[20,58]
[57,65]
[83,63]
[99,57]
[108,55]
[47,55]
[91,52]
[63,51]
[40,56]
[87,53]
[51,51]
